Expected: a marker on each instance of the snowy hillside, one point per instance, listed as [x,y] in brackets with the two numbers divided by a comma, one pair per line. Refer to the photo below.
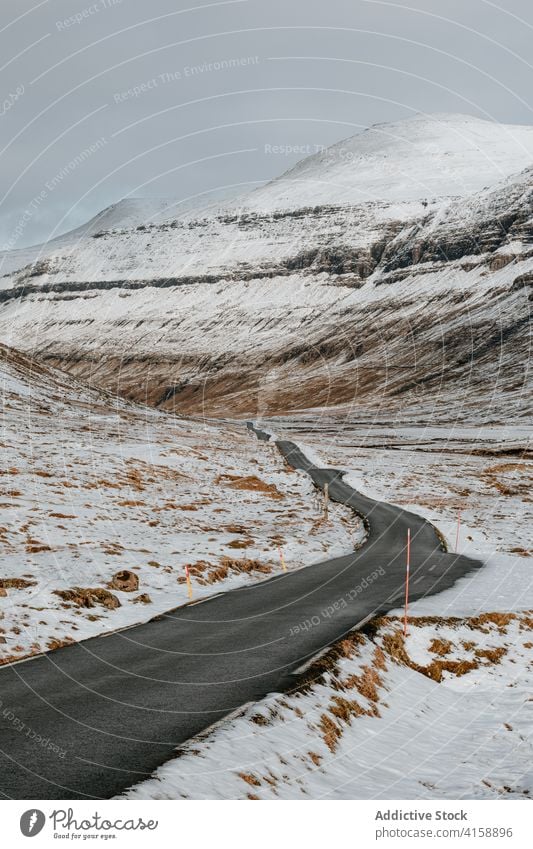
[428,156]
[92,488]
[126,213]
[404,276]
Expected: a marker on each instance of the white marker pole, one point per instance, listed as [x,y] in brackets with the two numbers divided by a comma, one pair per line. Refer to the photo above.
[407,580]
[282,559]
[326,500]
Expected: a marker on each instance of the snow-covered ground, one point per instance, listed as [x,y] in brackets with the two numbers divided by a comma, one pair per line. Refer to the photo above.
[445,713]
[474,482]
[90,487]
[442,713]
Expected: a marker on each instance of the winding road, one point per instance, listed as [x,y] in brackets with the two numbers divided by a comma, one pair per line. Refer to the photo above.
[116,707]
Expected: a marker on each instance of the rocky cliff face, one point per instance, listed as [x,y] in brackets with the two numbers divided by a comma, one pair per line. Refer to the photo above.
[414,300]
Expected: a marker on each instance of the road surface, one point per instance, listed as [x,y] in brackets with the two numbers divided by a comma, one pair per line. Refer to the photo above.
[116,707]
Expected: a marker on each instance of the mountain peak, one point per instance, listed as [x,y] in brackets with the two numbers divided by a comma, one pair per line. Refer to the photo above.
[424,156]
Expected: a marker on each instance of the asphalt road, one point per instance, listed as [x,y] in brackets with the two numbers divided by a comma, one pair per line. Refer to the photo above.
[116,707]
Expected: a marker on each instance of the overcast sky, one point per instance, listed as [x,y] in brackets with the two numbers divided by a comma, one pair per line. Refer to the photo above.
[175,98]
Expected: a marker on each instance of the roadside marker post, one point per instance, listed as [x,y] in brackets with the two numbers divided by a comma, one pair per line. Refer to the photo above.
[458,532]
[326,501]
[282,559]
[189,584]
[408,568]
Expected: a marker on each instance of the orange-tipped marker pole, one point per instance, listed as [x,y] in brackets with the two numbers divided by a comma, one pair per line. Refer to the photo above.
[408,567]
[282,559]
[189,584]
[458,532]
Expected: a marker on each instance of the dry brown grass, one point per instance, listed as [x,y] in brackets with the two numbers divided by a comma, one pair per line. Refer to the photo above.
[235,529]
[89,597]
[394,643]
[380,661]
[259,719]
[239,543]
[326,667]
[250,779]
[247,566]
[143,598]
[505,489]
[54,643]
[344,709]
[484,620]
[250,483]
[508,467]
[366,684]
[440,647]
[436,669]
[35,547]
[475,623]
[62,516]
[206,573]
[509,479]
[15,583]
[218,574]
[101,483]
[113,548]
[369,683]
[11,658]
[331,732]
[493,656]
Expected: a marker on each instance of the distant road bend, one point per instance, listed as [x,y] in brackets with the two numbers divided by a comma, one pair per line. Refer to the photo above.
[116,707]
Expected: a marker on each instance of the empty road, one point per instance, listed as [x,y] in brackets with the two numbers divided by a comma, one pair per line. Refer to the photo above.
[116,707]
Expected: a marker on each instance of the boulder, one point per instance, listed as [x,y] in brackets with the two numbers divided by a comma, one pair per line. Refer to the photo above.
[126,581]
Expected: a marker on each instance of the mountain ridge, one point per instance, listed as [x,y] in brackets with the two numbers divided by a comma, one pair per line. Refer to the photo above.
[133,211]
[213,313]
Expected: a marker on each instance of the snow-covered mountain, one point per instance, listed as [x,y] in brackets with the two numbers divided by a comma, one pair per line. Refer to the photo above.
[392,269]
[428,156]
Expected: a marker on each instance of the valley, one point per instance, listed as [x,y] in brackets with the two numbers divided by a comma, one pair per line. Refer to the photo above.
[368,313]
